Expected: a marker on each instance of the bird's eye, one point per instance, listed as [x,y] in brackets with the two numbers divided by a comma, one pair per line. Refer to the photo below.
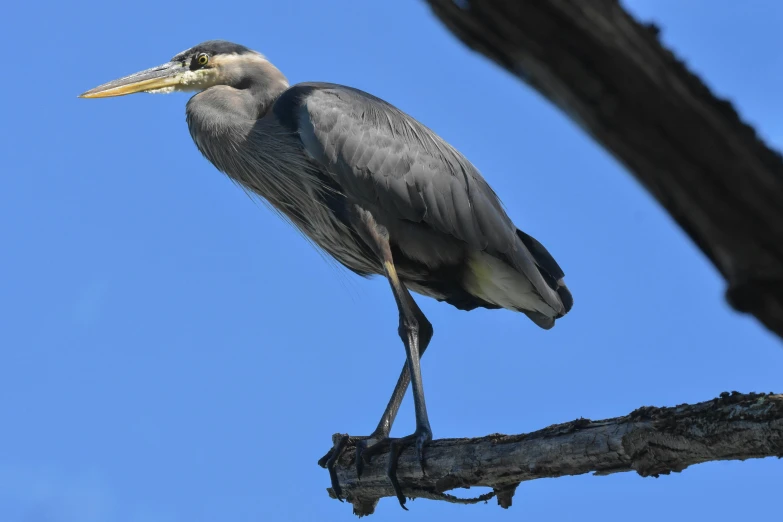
[202,59]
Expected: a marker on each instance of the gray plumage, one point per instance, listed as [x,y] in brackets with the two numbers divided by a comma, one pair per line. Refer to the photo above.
[368,184]
[354,148]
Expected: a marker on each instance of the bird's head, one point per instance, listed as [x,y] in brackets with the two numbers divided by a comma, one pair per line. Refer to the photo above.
[215,62]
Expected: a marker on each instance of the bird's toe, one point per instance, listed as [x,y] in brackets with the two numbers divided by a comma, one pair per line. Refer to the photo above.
[396,446]
[361,446]
[329,460]
[422,437]
[341,443]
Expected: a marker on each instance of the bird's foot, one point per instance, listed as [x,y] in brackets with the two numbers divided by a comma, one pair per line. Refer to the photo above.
[341,443]
[420,437]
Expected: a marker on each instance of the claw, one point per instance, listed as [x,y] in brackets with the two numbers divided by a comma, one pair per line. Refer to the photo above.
[391,471]
[360,447]
[323,460]
[422,439]
[330,459]
[341,443]
[396,446]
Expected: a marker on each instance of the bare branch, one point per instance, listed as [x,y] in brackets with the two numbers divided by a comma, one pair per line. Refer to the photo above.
[651,441]
[612,76]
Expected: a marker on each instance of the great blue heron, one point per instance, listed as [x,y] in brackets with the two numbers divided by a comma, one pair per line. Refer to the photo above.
[371,186]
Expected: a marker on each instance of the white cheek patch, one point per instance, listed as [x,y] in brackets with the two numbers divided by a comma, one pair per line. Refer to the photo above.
[191,78]
[164,90]
[189,81]
[197,80]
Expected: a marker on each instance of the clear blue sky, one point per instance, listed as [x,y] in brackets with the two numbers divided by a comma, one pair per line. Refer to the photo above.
[172,351]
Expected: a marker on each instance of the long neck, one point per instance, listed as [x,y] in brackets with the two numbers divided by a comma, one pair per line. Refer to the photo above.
[262,82]
[238,133]
[222,116]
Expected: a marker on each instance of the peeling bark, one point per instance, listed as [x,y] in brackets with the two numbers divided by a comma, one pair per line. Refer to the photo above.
[612,76]
[651,441]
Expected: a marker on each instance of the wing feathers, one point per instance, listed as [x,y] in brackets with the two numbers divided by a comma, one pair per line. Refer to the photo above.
[383,158]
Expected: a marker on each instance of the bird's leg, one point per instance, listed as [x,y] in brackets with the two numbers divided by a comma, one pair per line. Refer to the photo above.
[412,325]
[383,429]
[381,432]
[416,332]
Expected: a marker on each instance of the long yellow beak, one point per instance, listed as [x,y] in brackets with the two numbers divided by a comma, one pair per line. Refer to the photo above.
[163,77]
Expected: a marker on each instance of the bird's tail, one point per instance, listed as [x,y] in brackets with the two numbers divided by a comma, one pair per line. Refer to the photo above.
[552,274]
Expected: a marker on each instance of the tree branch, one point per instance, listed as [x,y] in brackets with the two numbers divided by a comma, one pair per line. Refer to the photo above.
[613,77]
[651,441]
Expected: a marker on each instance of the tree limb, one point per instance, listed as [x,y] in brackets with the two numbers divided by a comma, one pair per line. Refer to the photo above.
[613,77]
[651,441]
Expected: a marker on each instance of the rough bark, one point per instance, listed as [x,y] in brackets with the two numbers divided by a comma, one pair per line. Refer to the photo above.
[691,150]
[651,441]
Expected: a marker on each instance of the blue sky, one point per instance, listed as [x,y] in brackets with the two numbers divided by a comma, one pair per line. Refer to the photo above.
[172,351]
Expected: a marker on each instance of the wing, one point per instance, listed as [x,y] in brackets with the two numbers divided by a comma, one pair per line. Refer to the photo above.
[384,159]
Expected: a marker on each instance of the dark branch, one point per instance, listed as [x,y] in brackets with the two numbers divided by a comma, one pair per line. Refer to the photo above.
[691,150]
[651,441]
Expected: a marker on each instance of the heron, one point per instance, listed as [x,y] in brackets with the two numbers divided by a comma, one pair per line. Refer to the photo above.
[372,187]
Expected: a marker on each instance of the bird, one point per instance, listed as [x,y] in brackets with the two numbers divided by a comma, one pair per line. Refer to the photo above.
[372,187]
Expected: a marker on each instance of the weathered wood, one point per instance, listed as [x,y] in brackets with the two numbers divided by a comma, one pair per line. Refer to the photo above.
[691,150]
[651,441]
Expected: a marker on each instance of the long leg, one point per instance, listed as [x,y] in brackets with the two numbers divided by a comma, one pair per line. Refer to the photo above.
[383,429]
[409,331]
[416,332]
[389,414]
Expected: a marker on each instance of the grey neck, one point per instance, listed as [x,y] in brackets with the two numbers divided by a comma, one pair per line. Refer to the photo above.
[224,115]
[235,129]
